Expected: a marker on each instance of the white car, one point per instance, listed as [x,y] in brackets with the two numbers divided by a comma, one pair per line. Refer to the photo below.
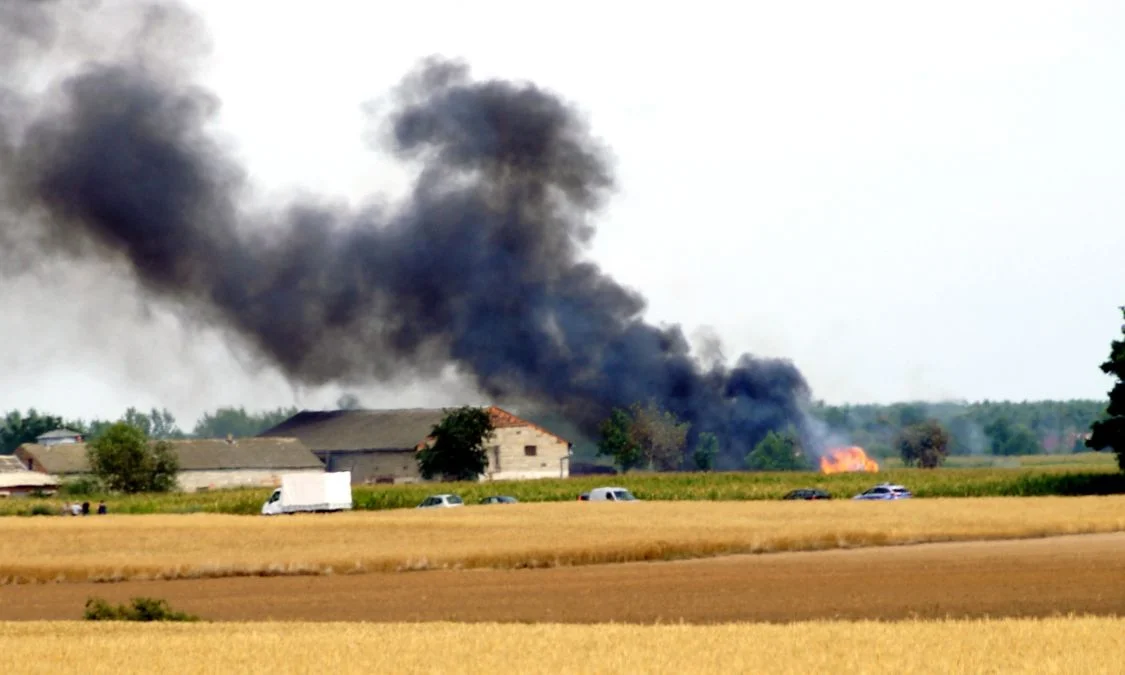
[885,492]
[610,494]
[441,502]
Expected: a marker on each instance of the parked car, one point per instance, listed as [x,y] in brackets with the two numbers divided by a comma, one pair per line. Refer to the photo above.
[885,492]
[584,497]
[610,494]
[807,493]
[441,502]
[499,499]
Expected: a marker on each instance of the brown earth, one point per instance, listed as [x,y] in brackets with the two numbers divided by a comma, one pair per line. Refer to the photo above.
[1041,577]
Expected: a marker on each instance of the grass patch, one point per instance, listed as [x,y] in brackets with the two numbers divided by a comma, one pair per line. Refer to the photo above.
[1054,645]
[113,548]
[139,609]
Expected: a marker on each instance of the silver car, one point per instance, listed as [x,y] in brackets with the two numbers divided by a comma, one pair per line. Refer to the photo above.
[885,492]
[441,502]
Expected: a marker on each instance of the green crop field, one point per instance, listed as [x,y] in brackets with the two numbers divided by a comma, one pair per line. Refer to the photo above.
[1088,474]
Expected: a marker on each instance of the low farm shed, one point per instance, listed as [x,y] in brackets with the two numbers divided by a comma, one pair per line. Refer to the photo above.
[204,463]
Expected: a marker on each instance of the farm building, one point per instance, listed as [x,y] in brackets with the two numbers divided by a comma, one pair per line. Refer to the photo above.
[204,463]
[59,437]
[17,481]
[380,446]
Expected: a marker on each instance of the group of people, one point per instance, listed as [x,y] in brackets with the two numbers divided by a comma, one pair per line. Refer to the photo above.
[83,509]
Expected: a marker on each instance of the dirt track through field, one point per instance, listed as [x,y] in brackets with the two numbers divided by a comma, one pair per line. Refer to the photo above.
[1039,577]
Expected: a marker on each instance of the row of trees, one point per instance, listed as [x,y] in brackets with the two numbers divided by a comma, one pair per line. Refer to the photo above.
[17,428]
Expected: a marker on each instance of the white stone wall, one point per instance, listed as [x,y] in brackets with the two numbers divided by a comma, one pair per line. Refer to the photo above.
[508,458]
[191,481]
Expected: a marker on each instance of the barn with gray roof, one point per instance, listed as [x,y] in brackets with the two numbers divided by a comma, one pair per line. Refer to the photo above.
[381,446]
[204,463]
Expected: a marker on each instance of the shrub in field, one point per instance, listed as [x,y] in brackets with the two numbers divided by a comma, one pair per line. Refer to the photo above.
[775,452]
[140,609]
[925,444]
[80,487]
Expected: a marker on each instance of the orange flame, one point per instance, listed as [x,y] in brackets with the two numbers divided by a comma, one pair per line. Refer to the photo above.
[854,458]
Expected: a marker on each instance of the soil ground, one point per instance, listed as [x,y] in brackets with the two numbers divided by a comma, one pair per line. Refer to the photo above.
[1040,577]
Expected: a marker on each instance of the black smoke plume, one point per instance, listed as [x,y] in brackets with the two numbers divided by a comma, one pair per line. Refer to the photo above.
[481,266]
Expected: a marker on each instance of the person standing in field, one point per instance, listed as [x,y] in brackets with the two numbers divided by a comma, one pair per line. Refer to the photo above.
[101,508]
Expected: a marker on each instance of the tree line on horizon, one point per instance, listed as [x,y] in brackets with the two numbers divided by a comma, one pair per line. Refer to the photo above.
[987,427]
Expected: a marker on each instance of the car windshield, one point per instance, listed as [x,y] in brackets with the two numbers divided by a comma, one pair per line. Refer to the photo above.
[453,499]
[623,496]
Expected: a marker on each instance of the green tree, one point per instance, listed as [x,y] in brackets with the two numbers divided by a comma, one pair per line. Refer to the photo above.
[659,435]
[456,449]
[124,460]
[18,429]
[239,423]
[617,441]
[1010,439]
[1109,433]
[160,424]
[706,449]
[776,452]
[925,444]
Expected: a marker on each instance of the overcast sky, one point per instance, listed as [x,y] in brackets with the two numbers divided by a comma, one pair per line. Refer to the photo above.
[909,200]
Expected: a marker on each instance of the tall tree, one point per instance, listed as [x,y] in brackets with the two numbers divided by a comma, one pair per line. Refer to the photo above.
[659,435]
[125,461]
[239,423]
[706,449]
[617,441]
[776,452]
[456,450]
[18,429]
[925,444]
[1008,439]
[1110,432]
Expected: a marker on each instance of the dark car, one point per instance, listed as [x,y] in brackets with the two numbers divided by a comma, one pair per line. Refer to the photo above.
[807,493]
[499,499]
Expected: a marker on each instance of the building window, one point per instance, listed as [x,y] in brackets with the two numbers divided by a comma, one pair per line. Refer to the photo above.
[530,450]
[496,459]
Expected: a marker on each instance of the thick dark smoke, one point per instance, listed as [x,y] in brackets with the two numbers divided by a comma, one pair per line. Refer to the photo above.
[481,266]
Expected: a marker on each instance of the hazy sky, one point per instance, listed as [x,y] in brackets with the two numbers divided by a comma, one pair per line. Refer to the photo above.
[908,201]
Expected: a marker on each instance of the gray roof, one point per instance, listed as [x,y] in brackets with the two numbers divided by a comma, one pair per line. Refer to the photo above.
[10,464]
[359,429]
[58,433]
[193,455]
[13,474]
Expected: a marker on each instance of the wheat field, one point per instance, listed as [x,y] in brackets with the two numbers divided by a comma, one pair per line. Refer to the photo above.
[1056,645]
[107,548]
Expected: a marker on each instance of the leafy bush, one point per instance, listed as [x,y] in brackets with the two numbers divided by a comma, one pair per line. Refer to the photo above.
[141,609]
[80,487]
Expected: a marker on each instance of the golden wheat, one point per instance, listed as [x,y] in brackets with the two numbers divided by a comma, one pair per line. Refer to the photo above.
[1057,645]
[106,548]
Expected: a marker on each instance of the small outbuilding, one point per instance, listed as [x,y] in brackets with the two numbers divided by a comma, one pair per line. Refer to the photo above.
[17,481]
[204,463]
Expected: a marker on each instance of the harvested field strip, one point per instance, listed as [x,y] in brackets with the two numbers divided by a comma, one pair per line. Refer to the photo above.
[1083,574]
[115,548]
[1072,644]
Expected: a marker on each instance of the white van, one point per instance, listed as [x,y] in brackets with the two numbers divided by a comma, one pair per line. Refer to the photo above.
[611,494]
[311,492]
